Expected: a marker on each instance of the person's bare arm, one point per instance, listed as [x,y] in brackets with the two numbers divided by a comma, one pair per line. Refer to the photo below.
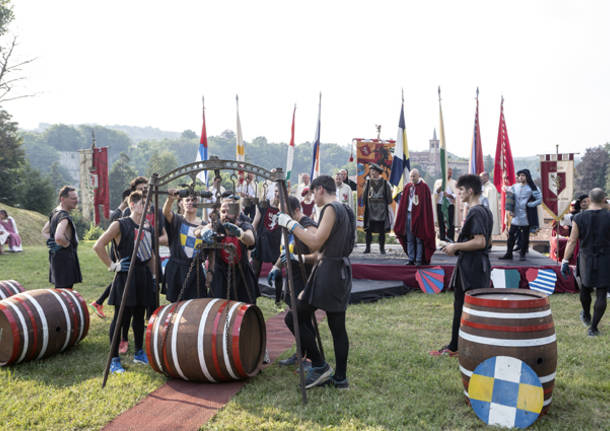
[315,240]
[167,206]
[474,244]
[248,238]
[113,232]
[46,230]
[163,239]
[257,218]
[63,233]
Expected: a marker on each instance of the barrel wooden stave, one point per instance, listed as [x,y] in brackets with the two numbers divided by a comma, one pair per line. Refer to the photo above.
[207,339]
[10,288]
[36,324]
[501,335]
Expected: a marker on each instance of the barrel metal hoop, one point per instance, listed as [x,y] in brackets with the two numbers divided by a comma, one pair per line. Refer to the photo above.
[235,339]
[28,310]
[508,342]
[16,338]
[45,325]
[200,340]
[214,332]
[506,303]
[66,315]
[11,303]
[492,314]
[175,327]
[225,341]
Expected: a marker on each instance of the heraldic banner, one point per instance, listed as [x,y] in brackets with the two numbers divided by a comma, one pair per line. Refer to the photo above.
[557,177]
[371,151]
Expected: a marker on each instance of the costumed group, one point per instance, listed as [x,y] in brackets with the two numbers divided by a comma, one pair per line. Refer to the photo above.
[322,232]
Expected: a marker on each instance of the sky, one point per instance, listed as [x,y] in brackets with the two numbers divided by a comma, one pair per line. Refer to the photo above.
[148,63]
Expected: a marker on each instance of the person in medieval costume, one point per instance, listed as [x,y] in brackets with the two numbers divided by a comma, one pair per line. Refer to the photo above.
[489,198]
[446,233]
[414,225]
[9,227]
[140,293]
[231,265]
[62,241]
[268,232]
[377,197]
[184,260]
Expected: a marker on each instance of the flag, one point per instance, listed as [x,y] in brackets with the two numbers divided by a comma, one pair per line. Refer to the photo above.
[102,190]
[505,278]
[475,162]
[315,166]
[202,152]
[400,162]
[290,156]
[240,150]
[504,167]
[443,157]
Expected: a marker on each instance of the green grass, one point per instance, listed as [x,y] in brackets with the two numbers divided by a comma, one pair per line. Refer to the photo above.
[395,384]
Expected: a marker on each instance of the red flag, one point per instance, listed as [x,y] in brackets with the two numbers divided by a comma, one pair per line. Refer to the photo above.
[99,177]
[475,162]
[504,167]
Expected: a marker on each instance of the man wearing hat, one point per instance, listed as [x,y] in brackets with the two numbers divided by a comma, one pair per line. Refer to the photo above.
[527,198]
[377,197]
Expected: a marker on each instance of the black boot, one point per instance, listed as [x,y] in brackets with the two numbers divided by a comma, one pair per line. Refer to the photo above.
[367,249]
[381,249]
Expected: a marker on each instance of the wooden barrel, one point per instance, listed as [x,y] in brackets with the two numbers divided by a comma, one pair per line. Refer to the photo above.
[10,288]
[36,324]
[509,322]
[206,340]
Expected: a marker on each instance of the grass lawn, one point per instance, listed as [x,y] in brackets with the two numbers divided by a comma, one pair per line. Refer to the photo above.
[395,384]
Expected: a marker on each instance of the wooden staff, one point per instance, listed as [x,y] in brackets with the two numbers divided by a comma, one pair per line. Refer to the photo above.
[293,300]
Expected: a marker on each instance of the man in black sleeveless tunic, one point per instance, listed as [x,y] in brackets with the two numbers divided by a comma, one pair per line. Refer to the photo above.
[473,270]
[300,272]
[592,229]
[140,293]
[330,284]
[268,233]
[62,241]
[235,228]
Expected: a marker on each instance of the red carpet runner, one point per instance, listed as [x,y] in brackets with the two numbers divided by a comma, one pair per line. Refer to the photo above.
[180,405]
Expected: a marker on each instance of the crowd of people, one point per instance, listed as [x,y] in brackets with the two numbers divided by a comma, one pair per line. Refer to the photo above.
[220,253]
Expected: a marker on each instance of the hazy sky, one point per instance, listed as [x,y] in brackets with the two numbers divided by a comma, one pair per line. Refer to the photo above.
[147,63]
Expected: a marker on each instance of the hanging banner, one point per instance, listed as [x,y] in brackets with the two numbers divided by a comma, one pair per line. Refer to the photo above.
[368,151]
[557,177]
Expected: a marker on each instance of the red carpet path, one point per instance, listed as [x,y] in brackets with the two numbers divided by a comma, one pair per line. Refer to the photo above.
[181,405]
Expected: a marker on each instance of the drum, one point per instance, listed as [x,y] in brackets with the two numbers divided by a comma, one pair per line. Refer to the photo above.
[511,322]
[36,324]
[206,340]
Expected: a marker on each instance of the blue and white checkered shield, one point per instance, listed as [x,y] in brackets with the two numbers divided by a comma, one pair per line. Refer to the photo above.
[188,241]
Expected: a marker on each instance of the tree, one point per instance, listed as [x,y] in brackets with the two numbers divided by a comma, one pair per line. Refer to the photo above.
[38,193]
[162,162]
[117,142]
[592,169]
[189,134]
[12,160]
[64,138]
[59,176]
[118,179]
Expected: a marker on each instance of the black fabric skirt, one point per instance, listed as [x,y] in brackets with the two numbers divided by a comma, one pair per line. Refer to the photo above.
[141,291]
[175,275]
[64,268]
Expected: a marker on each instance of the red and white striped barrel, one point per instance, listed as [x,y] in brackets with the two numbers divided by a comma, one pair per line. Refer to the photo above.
[509,322]
[206,340]
[36,324]
[10,288]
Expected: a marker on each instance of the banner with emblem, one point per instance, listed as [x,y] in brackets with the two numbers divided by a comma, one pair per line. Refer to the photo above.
[557,178]
[368,151]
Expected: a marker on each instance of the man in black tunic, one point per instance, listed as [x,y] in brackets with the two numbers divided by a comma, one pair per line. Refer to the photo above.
[268,233]
[473,269]
[592,229]
[377,196]
[62,241]
[330,284]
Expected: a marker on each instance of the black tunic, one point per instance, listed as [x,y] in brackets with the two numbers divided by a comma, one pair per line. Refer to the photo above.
[594,251]
[300,271]
[182,251]
[376,203]
[247,290]
[473,267]
[330,285]
[64,268]
[268,235]
[140,291]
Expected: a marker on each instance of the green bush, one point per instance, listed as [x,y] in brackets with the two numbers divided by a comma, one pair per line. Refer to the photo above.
[93,233]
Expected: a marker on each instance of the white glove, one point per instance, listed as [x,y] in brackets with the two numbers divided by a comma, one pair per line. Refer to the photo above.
[115,267]
[286,221]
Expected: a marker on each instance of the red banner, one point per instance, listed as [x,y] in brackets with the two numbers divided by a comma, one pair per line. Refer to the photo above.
[99,182]
[557,178]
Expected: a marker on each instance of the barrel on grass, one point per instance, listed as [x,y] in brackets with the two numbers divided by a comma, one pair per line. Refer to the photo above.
[514,322]
[36,324]
[206,340]
[10,288]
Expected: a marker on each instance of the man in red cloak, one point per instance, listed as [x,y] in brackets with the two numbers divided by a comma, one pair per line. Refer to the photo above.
[414,225]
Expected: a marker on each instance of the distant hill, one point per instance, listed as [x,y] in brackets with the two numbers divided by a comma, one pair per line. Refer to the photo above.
[135,133]
[29,224]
